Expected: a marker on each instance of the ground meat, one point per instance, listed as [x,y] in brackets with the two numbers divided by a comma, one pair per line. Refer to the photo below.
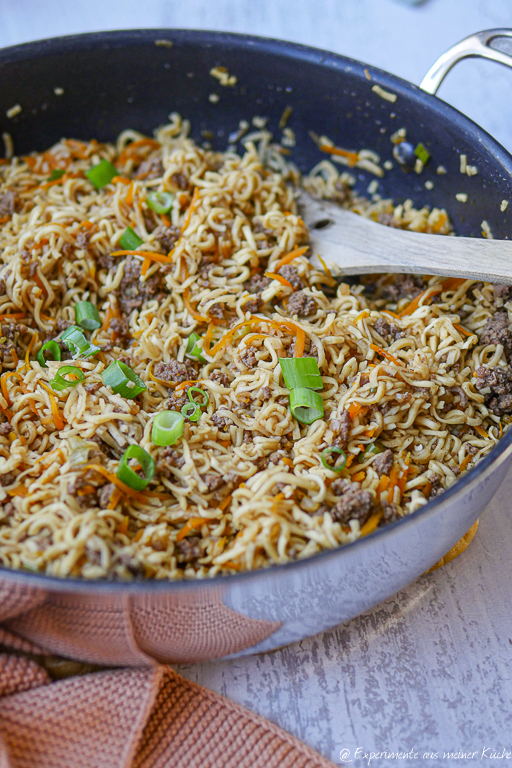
[188,550]
[92,387]
[220,377]
[132,292]
[254,305]
[248,357]
[8,478]
[266,392]
[301,304]
[222,422]
[5,429]
[104,495]
[120,326]
[499,380]
[502,293]
[354,504]
[290,273]
[213,482]
[344,192]
[383,463]
[340,427]
[437,487]
[388,330]
[218,311]
[150,169]
[341,486]
[256,283]
[7,203]
[167,237]
[390,513]
[463,398]
[175,371]
[405,286]
[497,331]
[179,180]
[172,457]
[82,238]
[3,288]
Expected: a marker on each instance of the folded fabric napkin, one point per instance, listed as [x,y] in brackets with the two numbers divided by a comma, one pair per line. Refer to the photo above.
[143,717]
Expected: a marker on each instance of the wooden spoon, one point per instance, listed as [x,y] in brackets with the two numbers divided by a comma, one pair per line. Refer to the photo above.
[358,245]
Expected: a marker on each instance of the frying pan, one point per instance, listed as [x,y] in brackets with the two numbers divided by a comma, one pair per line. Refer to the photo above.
[99,84]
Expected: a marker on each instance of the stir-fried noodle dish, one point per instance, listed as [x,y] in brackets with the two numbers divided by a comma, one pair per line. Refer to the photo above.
[184,395]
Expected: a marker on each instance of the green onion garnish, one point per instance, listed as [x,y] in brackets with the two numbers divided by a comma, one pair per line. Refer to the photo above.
[167,428]
[77,344]
[204,394]
[102,174]
[87,315]
[160,202]
[129,240]
[193,350]
[422,153]
[301,372]
[57,173]
[327,452]
[306,406]
[59,382]
[191,411]
[128,476]
[372,449]
[122,380]
[53,348]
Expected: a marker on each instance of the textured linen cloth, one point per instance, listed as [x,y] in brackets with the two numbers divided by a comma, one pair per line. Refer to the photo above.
[142,716]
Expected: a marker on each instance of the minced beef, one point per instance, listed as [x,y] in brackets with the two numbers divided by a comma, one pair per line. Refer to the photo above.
[462,397]
[222,422]
[497,331]
[301,304]
[5,428]
[8,478]
[220,378]
[340,427]
[120,326]
[256,283]
[171,457]
[388,330]
[179,180]
[290,273]
[499,380]
[3,287]
[175,371]
[150,169]
[390,513]
[188,549]
[167,237]
[104,495]
[383,463]
[502,293]
[405,286]
[218,311]
[254,304]
[248,357]
[82,238]
[213,482]
[437,487]
[7,203]
[92,387]
[132,292]
[354,504]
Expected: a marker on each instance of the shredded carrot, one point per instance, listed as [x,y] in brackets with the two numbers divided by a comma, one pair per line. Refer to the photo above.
[3,384]
[115,481]
[87,224]
[86,489]
[233,566]
[371,524]
[290,257]
[288,462]
[19,490]
[145,266]
[209,337]
[439,223]
[191,209]
[280,279]
[129,195]
[121,180]
[165,220]
[190,309]
[224,504]
[462,330]
[465,462]
[389,312]
[187,384]
[352,157]
[123,526]
[254,319]
[427,490]
[29,349]
[138,536]
[276,500]
[326,269]
[414,304]
[481,431]
[57,416]
[354,409]
[402,480]
[112,504]
[145,254]
[224,443]
[385,354]
[13,316]
[155,379]
[133,148]
[383,484]
[350,460]
[362,315]
[192,525]
[393,478]
[451,283]
[300,342]
[358,477]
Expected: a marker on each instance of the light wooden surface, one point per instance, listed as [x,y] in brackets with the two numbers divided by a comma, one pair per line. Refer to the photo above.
[430,669]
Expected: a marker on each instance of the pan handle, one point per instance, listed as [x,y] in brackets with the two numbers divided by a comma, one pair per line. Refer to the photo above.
[477,45]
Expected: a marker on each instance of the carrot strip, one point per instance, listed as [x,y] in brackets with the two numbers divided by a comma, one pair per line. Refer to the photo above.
[462,330]
[354,409]
[14,316]
[371,524]
[389,312]
[87,224]
[300,342]
[112,504]
[326,269]
[254,319]
[208,337]
[165,219]
[465,462]
[358,477]
[427,490]
[290,257]
[451,283]
[145,266]
[187,384]
[481,431]
[145,254]
[393,478]
[3,384]
[129,195]
[192,525]
[385,354]
[350,460]
[224,504]
[414,304]
[29,349]
[279,278]
[383,484]
[121,180]
[115,481]
[362,315]
[191,209]
[402,480]
[133,148]
[19,490]
[57,416]
[191,310]
[352,157]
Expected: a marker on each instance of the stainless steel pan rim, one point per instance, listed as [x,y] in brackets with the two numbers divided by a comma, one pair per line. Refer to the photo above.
[499,454]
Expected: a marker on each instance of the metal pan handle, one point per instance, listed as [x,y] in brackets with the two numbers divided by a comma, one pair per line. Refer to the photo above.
[477,45]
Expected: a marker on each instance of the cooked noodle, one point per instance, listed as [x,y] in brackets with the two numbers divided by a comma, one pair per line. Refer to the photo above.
[245,487]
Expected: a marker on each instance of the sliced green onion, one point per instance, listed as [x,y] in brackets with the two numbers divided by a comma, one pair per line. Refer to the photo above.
[87,315]
[102,174]
[372,449]
[167,428]
[301,372]
[122,380]
[330,450]
[53,348]
[59,382]
[128,476]
[193,350]
[191,411]
[160,202]
[306,406]
[422,153]
[57,173]
[129,240]
[77,344]
[204,394]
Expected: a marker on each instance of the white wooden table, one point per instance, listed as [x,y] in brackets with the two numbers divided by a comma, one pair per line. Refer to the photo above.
[430,670]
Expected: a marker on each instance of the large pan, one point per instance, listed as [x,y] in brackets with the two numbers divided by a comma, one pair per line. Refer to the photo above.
[115,80]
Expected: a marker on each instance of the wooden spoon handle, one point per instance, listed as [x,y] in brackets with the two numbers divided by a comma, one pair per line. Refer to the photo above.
[358,245]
